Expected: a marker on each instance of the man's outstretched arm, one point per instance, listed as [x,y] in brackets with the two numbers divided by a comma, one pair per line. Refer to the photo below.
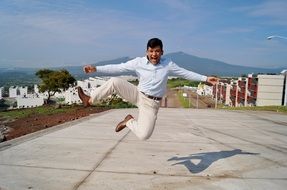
[190,75]
[112,68]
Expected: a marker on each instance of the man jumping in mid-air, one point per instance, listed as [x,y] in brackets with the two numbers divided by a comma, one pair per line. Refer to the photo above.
[152,71]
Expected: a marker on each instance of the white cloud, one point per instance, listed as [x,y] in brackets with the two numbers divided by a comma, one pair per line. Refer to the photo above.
[179,5]
[52,35]
[71,26]
[273,11]
[232,30]
[76,31]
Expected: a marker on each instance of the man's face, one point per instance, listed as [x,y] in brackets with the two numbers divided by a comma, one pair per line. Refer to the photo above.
[154,54]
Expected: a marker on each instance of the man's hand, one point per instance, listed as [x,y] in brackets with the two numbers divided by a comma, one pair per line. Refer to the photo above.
[89,69]
[212,80]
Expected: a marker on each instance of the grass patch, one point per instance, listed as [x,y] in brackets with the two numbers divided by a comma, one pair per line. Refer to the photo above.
[184,102]
[112,103]
[281,109]
[42,110]
[115,102]
[176,82]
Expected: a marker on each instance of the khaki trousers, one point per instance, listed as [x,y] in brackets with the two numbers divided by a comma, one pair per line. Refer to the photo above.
[148,108]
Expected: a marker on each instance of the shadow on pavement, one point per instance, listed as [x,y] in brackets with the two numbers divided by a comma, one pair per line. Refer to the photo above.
[205,159]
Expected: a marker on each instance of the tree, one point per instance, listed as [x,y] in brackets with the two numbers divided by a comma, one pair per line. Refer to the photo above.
[54,81]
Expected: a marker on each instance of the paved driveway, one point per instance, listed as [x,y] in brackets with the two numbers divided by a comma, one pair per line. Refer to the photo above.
[190,149]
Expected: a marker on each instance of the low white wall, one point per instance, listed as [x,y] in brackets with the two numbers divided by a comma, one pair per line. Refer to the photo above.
[270,90]
[29,102]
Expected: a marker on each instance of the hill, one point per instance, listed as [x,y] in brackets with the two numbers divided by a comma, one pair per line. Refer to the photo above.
[77,71]
[214,67]
[197,64]
[18,76]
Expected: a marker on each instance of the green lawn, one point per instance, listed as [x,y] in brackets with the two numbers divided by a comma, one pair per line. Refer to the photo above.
[45,110]
[50,109]
[183,100]
[176,82]
[281,109]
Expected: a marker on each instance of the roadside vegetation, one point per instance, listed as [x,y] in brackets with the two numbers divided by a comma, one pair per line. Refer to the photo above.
[114,102]
[185,102]
[179,82]
[281,109]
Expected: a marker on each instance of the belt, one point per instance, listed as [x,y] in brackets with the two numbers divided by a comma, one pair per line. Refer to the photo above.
[152,97]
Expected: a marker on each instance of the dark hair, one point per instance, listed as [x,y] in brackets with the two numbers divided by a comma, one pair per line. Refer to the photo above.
[154,42]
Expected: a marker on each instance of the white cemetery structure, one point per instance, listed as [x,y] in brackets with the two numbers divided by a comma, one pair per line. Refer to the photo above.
[204,90]
[70,96]
[1,92]
[16,91]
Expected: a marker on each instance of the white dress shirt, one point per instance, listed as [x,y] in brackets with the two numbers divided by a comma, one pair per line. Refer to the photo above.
[152,78]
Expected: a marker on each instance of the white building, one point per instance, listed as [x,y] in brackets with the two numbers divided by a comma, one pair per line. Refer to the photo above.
[71,96]
[16,91]
[204,90]
[39,94]
[13,92]
[23,91]
[92,82]
[1,92]
[36,89]
[270,90]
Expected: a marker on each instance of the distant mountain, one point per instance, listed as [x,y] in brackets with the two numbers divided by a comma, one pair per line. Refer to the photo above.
[114,61]
[213,67]
[197,64]
[77,71]
[18,69]
[18,77]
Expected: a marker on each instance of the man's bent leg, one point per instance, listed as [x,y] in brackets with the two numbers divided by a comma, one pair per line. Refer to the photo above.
[144,126]
[119,86]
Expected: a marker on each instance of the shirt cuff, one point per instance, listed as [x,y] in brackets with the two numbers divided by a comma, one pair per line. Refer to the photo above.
[204,78]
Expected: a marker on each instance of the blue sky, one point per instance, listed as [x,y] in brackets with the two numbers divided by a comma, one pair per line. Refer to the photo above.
[44,33]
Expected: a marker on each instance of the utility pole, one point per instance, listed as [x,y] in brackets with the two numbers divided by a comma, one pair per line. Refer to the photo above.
[216,87]
[284,99]
[197,100]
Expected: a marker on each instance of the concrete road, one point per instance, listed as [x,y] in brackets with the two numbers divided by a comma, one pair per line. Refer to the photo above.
[190,149]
